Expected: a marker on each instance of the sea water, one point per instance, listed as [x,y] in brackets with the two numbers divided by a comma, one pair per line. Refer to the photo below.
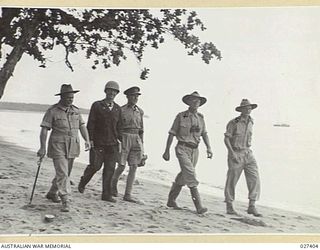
[287,158]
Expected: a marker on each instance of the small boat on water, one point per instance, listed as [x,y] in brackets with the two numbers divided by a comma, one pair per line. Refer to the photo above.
[281,125]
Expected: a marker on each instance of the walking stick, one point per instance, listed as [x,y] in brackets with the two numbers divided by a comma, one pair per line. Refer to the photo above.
[35,181]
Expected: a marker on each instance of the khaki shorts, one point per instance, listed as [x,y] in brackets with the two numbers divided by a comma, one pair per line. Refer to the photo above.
[131,149]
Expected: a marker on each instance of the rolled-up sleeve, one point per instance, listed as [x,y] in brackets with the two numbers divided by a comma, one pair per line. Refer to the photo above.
[81,121]
[229,131]
[175,126]
[204,129]
[47,120]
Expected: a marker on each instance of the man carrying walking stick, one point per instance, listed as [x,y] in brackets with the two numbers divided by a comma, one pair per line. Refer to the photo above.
[65,121]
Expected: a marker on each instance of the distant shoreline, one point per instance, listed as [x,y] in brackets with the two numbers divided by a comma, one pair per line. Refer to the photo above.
[32,107]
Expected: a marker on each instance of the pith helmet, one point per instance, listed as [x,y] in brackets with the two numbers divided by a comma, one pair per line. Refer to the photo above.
[66,88]
[187,98]
[245,103]
[112,85]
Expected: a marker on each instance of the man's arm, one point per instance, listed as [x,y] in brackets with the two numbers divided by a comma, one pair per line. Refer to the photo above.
[166,154]
[91,123]
[85,136]
[207,143]
[232,154]
[43,141]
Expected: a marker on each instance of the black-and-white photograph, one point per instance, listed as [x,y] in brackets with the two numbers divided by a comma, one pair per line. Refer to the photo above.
[159,121]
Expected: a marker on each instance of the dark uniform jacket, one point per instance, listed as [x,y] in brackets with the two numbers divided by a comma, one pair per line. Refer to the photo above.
[104,124]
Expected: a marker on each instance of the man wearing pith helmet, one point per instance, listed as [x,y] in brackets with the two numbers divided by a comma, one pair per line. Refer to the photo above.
[188,127]
[240,158]
[64,120]
[104,131]
[131,142]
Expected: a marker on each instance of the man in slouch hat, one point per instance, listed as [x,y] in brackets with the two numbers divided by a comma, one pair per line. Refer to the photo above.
[104,132]
[131,142]
[64,119]
[188,127]
[240,158]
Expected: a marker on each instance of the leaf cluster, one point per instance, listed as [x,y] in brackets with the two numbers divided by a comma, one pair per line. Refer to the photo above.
[106,36]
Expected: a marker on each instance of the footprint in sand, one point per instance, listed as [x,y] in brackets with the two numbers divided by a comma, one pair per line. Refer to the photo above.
[188,228]
[153,226]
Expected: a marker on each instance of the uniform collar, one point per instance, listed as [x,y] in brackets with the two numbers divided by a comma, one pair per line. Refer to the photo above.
[242,119]
[109,105]
[187,113]
[134,107]
[64,108]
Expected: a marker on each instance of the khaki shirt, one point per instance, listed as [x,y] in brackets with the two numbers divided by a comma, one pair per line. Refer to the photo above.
[65,123]
[188,127]
[131,118]
[240,133]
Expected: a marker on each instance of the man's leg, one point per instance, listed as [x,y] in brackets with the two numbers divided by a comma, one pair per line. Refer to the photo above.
[174,192]
[95,164]
[115,178]
[234,172]
[126,144]
[53,192]
[110,158]
[62,180]
[129,184]
[253,184]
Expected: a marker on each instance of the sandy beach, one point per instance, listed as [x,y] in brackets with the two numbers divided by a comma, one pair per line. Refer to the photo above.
[90,215]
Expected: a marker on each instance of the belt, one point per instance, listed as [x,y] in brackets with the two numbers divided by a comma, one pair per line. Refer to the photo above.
[66,133]
[242,150]
[131,131]
[187,144]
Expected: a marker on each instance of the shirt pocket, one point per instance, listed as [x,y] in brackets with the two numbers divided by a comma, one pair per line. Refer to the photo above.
[184,129]
[75,121]
[61,122]
[237,139]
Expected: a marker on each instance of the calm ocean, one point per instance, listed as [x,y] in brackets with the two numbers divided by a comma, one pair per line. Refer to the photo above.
[287,159]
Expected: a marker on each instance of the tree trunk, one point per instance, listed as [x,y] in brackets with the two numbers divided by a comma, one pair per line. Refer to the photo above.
[14,56]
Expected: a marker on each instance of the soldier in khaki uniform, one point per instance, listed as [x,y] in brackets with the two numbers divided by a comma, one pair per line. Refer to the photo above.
[240,158]
[131,142]
[63,147]
[188,127]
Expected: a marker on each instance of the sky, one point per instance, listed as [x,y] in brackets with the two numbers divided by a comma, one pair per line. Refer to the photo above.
[271,56]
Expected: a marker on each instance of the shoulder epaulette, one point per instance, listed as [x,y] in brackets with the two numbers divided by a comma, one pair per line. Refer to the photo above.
[73,106]
[251,119]
[184,114]
[53,106]
[201,115]
[140,109]
[237,119]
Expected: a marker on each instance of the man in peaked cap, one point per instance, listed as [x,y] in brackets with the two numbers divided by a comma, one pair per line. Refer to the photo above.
[64,119]
[240,158]
[131,142]
[188,127]
[104,132]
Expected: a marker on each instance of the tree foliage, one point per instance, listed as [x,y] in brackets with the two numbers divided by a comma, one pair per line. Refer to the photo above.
[106,36]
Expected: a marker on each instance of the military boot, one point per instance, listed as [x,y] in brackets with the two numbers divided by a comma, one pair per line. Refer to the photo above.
[252,210]
[197,201]
[173,194]
[230,209]
[53,197]
[65,203]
